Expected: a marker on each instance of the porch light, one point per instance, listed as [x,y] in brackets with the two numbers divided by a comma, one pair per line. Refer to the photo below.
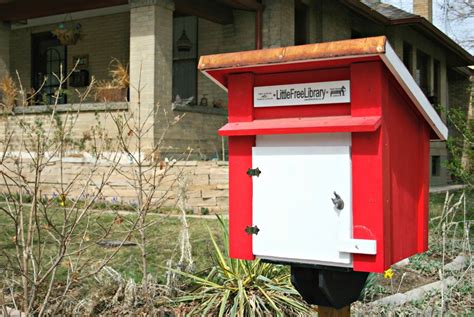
[184,44]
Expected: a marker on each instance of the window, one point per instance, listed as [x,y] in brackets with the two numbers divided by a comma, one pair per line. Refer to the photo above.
[421,74]
[408,56]
[185,52]
[436,82]
[435,165]
[48,58]
[301,23]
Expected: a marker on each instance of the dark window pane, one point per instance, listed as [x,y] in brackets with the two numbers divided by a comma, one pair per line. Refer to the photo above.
[49,59]
[408,56]
[185,48]
[184,79]
[301,23]
[436,82]
[435,165]
[421,74]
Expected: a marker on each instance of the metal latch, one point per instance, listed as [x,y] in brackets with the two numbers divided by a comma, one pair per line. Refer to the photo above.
[252,230]
[254,172]
[337,201]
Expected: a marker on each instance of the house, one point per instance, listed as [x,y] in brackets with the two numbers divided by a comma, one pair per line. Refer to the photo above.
[161,41]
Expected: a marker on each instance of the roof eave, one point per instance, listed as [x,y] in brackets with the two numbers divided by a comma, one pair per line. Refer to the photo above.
[378,46]
[441,36]
[427,26]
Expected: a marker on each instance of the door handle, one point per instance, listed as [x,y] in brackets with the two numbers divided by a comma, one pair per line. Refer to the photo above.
[337,201]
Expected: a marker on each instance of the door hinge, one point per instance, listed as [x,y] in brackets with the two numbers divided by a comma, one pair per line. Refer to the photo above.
[254,172]
[252,230]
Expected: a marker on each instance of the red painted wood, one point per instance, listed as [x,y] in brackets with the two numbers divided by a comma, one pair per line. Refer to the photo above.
[240,160]
[423,200]
[405,171]
[240,105]
[367,198]
[302,125]
[339,109]
[390,153]
[368,165]
[240,197]
[300,77]
[408,133]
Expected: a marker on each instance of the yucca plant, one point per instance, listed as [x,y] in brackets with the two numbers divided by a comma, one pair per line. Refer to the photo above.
[242,288]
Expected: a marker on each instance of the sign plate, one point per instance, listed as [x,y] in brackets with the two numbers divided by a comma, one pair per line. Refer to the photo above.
[302,94]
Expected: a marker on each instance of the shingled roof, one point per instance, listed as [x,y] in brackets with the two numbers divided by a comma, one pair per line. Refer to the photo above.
[389,15]
[389,11]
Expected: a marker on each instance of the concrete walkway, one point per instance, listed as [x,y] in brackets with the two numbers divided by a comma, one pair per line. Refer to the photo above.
[443,189]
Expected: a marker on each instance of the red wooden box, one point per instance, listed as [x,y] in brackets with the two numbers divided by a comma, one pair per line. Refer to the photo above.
[343,117]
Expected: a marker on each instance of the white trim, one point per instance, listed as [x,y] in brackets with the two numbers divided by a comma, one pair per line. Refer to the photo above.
[357,246]
[405,79]
[302,261]
[215,81]
[54,19]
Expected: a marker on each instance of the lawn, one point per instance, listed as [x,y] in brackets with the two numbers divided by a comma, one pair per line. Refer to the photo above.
[163,244]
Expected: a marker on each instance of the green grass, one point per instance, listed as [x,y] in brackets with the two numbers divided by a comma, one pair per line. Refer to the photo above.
[163,243]
[163,239]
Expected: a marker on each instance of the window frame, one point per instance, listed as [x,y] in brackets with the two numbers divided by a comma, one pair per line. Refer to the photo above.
[195,59]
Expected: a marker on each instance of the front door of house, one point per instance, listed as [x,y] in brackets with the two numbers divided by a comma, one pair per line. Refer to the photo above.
[49,63]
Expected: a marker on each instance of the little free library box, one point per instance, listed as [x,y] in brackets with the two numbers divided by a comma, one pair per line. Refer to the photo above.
[328,154]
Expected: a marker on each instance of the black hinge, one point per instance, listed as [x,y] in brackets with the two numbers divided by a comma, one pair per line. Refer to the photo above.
[254,172]
[252,230]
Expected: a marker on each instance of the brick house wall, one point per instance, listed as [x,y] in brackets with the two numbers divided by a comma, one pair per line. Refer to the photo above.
[109,36]
[198,130]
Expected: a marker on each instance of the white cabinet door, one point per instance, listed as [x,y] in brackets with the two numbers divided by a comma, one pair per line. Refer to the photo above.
[292,203]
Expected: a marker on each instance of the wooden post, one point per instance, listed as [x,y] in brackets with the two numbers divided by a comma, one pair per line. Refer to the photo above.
[324,311]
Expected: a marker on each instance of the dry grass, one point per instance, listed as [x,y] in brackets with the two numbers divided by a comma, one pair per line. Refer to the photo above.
[117,289]
[450,235]
[8,92]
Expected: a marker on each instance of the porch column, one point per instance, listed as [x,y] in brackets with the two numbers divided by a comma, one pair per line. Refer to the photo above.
[4,50]
[151,63]
[278,23]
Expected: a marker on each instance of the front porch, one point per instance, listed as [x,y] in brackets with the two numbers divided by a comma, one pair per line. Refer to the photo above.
[145,35]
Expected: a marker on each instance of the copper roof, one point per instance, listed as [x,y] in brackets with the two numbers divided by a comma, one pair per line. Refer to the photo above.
[331,54]
[357,47]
